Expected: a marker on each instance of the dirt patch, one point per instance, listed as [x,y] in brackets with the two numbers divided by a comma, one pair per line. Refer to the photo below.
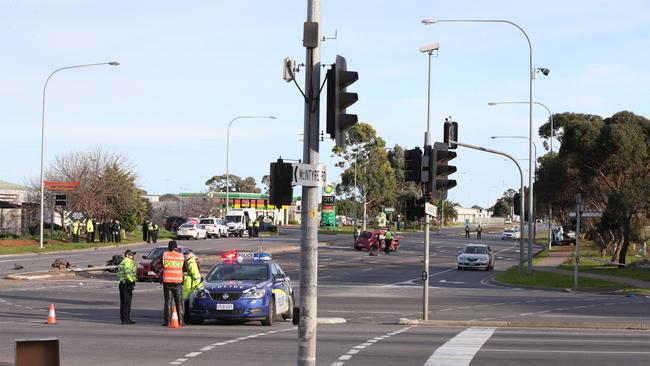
[16,243]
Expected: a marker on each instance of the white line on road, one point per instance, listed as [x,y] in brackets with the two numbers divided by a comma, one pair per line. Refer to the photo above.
[563,351]
[356,349]
[179,361]
[460,350]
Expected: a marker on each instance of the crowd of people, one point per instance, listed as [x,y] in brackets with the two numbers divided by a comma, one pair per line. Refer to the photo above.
[102,230]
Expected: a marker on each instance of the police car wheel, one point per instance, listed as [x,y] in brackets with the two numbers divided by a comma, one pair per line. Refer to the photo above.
[270,317]
[289,314]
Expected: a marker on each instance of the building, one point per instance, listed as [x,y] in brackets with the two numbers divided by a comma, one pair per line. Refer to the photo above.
[12,197]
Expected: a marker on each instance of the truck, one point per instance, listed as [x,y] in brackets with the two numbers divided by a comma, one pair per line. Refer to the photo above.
[236,220]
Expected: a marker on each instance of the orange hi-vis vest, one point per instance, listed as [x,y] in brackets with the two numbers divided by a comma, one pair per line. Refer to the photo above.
[172,267]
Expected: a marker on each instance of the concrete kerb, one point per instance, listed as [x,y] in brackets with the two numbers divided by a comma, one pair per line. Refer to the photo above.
[523,324]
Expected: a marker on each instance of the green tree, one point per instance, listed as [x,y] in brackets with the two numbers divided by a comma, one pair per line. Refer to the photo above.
[375,177]
[236,184]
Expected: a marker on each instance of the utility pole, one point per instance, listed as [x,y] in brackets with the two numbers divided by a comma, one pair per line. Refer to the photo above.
[309,216]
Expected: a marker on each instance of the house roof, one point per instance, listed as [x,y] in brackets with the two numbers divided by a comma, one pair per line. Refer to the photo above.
[8,185]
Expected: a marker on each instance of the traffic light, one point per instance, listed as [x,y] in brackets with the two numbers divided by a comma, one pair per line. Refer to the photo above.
[413,165]
[338,100]
[280,189]
[414,209]
[517,204]
[439,159]
[450,133]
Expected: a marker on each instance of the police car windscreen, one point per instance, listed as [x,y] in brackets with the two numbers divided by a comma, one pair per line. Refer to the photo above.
[238,272]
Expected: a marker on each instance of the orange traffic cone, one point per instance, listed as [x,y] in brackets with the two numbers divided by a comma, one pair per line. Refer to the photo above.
[51,316]
[174,321]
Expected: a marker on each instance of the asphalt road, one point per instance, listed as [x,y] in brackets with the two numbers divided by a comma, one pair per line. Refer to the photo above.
[371,292]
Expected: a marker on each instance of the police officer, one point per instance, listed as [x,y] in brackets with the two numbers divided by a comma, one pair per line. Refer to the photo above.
[75,231]
[145,231]
[191,279]
[126,274]
[256,228]
[388,241]
[149,231]
[467,232]
[90,231]
[170,266]
[153,232]
[117,229]
[479,229]
[357,232]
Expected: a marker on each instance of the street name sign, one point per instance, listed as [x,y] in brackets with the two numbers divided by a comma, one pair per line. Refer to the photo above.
[587,214]
[430,209]
[309,175]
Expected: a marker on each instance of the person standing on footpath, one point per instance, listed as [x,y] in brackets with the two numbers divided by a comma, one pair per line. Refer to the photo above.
[479,229]
[357,232]
[90,231]
[76,228]
[256,228]
[153,232]
[170,267]
[145,231]
[388,241]
[467,231]
[126,274]
[117,230]
[106,228]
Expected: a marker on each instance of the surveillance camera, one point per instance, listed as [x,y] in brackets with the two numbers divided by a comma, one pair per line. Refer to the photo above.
[544,71]
[429,47]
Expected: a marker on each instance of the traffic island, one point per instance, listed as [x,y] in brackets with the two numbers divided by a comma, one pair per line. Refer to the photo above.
[523,324]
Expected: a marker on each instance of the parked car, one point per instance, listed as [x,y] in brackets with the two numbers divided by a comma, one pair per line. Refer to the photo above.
[476,256]
[368,240]
[144,272]
[214,227]
[191,231]
[510,234]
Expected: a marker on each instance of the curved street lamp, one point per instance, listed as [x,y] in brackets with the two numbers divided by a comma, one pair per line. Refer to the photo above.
[531,72]
[228,150]
[540,104]
[112,63]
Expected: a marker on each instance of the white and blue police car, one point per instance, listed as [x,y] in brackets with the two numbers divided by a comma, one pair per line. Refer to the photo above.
[243,286]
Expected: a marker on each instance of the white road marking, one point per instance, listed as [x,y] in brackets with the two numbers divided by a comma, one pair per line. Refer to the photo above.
[356,349]
[210,347]
[564,351]
[460,350]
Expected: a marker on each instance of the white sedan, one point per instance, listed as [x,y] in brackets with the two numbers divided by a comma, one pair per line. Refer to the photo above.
[510,234]
[191,231]
[476,256]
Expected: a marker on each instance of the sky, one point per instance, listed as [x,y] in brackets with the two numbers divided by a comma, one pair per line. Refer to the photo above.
[187,68]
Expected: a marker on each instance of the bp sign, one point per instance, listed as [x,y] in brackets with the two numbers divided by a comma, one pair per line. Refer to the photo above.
[328,188]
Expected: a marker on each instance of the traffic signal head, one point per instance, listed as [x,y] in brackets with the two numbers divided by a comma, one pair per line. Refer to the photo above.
[338,100]
[517,203]
[450,133]
[440,161]
[413,165]
[280,190]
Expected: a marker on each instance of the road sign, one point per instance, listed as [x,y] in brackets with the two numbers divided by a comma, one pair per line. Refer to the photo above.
[309,175]
[587,214]
[430,209]
[389,209]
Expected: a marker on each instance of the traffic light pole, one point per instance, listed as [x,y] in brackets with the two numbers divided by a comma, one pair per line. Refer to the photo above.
[521,190]
[309,216]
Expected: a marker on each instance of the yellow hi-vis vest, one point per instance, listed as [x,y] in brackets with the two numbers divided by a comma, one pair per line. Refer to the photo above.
[172,267]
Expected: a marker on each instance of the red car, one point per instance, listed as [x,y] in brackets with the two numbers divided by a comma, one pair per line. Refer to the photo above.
[144,272]
[368,240]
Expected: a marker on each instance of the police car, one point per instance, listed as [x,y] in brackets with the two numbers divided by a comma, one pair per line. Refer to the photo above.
[243,286]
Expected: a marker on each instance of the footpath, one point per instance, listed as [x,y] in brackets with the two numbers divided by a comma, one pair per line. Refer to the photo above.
[557,257]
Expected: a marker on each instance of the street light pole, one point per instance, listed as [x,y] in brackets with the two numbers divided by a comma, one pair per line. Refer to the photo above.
[112,63]
[550,208]
[531,76]
[228,152]
[427,144]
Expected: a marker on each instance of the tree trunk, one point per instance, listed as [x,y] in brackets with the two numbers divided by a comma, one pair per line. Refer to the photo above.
[626,242]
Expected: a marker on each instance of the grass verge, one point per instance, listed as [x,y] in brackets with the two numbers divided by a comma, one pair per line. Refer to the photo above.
[553,280]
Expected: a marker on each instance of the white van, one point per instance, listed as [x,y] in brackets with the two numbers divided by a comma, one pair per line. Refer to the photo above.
[214,227]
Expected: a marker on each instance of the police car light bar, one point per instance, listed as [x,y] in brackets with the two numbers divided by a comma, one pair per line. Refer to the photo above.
[239,257]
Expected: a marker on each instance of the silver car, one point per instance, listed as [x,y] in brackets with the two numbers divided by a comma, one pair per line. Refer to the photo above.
[191,231]
[476,256]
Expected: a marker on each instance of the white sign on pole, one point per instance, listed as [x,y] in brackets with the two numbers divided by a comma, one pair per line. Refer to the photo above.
[587,214]
[430,209]
[309,175]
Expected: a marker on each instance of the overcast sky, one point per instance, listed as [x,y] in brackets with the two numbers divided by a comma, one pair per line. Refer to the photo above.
[189,67]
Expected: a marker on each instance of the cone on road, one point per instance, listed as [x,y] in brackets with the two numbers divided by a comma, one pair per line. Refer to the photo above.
[51,316]
[174,321]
